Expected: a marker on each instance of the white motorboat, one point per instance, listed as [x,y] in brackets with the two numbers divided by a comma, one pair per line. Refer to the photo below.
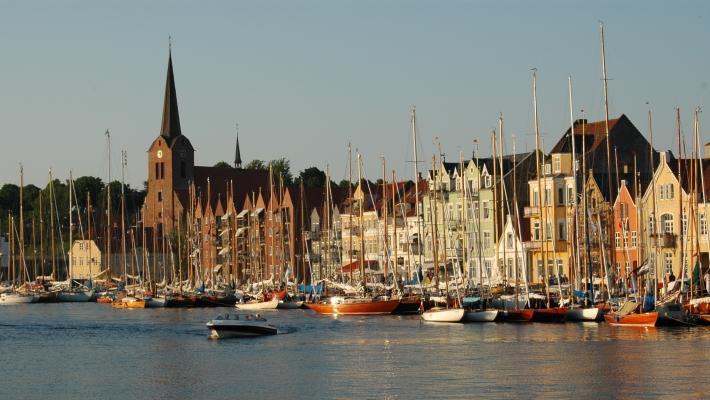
[480,315]
[17,298]
[437,314]
[236,325]
[259,305]
[584,314]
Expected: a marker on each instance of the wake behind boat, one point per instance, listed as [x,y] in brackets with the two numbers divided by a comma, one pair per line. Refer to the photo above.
[244,325]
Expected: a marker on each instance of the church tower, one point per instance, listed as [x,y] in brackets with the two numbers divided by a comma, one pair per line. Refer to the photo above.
[171,164]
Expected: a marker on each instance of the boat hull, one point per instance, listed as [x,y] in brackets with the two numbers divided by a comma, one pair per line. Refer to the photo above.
[75,297]
[15,298]
[480,315]
[444,315]
[550,315]
[408,305]
[289,305]
[156,302]
[369,308]
[239,329]
[640,320]
[524,315]
[261,305]
[584,314]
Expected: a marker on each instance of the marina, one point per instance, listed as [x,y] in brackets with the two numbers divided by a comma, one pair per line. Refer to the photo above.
[166,352]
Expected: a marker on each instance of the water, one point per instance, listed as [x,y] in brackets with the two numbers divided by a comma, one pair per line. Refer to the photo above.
[91,351]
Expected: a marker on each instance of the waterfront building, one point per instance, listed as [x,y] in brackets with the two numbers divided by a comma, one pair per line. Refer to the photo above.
[626,233]
[87,259]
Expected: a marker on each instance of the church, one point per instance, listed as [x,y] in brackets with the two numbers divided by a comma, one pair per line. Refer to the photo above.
[175,183]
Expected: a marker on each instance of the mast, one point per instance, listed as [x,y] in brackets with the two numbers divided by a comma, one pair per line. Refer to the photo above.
[435,234]
[575,222]
[610,225]
[416,185]
[41,235]
[543,227]
[88,223]
[22,224]
[515,225]
[395,240]
[681,236]
[109,235]
[362,225]
[71,229]
[496,199]
[385,248]
[51,223]
[123,216]
[350,217]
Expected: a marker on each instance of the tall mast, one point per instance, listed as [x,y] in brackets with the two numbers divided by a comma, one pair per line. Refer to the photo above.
[541,209]
[416,185]
[385,248]
[71,228]
[362,225]
[51,226]
[123,215]
[681,236]
[88,223]
[395,241]
[654,228]
[109,235]
[350,216]
[22,223]
[610,225]
[41,235]
[575,224]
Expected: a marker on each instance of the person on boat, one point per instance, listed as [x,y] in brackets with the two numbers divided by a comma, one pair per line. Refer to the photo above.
[706,278]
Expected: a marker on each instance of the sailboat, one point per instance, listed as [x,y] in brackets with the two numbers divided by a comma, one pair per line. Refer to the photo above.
[16,296]
[360,304]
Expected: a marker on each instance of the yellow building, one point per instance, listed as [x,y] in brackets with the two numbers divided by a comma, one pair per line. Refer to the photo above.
[551,214]
[86,260]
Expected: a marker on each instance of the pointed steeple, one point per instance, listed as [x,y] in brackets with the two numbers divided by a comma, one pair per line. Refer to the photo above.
[170,126]
[237,153]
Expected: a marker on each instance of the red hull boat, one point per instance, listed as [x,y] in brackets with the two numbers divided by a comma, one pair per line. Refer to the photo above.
[340,306]
[525,315]
[550,315]
[639,320]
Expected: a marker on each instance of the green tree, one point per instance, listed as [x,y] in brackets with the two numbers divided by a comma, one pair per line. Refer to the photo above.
[282,170]
[256,164]
[222,164]
[311,177]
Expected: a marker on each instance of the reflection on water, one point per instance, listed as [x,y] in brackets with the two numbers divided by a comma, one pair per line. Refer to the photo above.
[67,351]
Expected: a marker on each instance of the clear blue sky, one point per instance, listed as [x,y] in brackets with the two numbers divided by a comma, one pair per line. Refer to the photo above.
[303,78]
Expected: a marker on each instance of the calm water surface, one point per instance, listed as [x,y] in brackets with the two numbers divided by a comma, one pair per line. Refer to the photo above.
[91,351]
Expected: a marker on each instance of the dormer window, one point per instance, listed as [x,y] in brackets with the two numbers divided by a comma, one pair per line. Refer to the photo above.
[487,181]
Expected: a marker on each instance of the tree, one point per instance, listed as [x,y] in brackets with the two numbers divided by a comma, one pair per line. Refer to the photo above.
[282,170]
[344,183]
[311,177]
[256,165]
[222,164]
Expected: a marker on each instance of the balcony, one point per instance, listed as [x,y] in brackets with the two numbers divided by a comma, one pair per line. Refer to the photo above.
[529,211]
[665,239]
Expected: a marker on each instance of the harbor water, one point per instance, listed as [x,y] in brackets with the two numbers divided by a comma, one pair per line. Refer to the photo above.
[91,351]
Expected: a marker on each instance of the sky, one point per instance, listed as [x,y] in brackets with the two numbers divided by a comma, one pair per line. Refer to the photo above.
[304,78]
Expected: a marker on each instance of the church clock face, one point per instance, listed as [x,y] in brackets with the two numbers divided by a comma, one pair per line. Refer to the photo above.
[160,154]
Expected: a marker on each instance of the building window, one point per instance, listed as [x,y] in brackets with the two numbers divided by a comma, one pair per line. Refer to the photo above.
[617,239]
[557,164]
[624,210]
[560,196]
[488,268]
[535,198]
[668,262]
[540,270]
[487,239]
[160,195]
[703,224]
[561,233]
[634,239]
[570,195]
[548,231]
[651,224]
[486,209]
[684,222]
[487,181]
[536,230]
[157,170]
[548,196]
[509,240]
[667,223]
[626,239]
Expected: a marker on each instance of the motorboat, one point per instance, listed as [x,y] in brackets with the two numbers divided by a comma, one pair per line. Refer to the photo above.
[240,325]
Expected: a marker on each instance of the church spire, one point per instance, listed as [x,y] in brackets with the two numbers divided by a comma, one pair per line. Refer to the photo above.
[237,153]
[170,126]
